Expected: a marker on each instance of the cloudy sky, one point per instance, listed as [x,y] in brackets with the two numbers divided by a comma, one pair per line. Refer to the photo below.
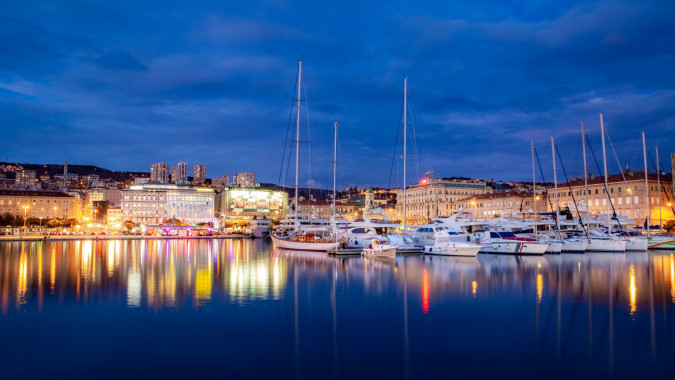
[125,84]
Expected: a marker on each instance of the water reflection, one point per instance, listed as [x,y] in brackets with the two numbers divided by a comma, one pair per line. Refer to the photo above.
[590,312]
[152,274]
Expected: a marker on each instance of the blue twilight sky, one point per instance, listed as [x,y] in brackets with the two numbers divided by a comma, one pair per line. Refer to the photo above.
[125,84]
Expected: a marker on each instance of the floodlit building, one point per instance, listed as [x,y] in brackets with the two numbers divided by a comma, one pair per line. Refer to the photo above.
[199,175]
[244,179]
[434,197]
[628,197]
[324,209]
[179,173]
[155,203]
[159,172]
[38,204]
[503,204]
[243,203]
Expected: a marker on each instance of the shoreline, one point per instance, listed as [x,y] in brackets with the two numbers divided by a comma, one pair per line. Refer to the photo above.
[41,238]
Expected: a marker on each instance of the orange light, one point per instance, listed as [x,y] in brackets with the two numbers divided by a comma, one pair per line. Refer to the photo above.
[425,291]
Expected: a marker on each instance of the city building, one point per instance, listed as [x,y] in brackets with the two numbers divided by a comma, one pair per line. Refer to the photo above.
[244,179]
[324,209]
[199,175]
[220,183]
[114,215]
[156,203]
[179,173]
[503,204]
[25,178]
[244,203]
[113,197]
[159,172]
[434,197]
[628,197]
[38,204]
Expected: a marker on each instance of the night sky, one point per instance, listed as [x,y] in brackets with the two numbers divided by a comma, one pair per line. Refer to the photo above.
[125,84]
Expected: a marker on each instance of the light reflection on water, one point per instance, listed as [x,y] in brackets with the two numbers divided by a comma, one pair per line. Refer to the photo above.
[594,313]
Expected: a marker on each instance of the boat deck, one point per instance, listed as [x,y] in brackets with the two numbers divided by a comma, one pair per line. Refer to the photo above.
[357,251]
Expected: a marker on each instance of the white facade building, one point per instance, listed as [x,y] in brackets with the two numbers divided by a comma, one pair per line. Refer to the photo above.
[154,203]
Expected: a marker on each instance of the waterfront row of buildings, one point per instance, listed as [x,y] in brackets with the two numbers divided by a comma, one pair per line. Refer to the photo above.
[156,201]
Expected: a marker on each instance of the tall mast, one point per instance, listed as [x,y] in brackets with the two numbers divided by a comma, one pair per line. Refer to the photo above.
[647,205]
[297,144]
[334,170]
[534,191]
[604,160]
[658,184]
[405,146]
[555,188]
[583,148]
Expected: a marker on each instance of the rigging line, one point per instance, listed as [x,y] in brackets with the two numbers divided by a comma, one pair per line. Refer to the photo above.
[569,186]
[609,199]
[550,202]
[290,118]
[393,158]
[414,141]
[620,170]
[309,153]
[662,182]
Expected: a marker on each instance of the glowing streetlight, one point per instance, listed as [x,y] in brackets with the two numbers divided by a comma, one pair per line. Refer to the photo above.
[25,211]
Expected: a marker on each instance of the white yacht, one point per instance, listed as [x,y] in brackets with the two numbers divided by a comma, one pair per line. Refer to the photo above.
[453,248]
[377,249]
[505,242]
[259,228]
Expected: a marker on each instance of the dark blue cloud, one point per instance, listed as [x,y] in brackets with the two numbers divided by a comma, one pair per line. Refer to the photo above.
[123,85]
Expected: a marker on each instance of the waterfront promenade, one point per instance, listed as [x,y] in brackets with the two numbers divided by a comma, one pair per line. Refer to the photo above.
[34,238]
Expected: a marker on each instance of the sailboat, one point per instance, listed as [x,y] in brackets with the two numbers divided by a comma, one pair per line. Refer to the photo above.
[654,242]
[305,239]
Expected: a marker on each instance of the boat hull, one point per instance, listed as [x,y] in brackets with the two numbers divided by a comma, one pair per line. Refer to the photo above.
[453,249]
[303,245]
[575,246]
[662,244]
[389,251]
[513,248]
[637,244]
[602,245]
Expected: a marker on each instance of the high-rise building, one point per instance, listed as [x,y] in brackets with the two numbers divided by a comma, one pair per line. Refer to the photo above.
[179,173]
[25,178]
[244,179]
[199,174]
[159,172]
[221,182]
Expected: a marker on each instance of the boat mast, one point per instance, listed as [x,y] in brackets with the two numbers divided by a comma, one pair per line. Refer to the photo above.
[658,184]
[583,148]
[604,160]
[334,175]
[647,205]
[405,138]
[297,144]
[555,188]
[534,191]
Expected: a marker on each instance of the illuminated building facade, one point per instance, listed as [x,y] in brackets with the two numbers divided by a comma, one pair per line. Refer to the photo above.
[25,178]
[502,204]
[199,174]
[324,209]
[434,197]
[248,202]
[244,179]
[628,198]
[155,203]
[179,173]
[222,182]
[39,204]
[159,172]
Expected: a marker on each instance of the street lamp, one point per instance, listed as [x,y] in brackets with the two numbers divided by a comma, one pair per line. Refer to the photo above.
[25,210]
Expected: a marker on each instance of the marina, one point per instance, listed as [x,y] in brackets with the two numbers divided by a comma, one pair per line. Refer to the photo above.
[148,304]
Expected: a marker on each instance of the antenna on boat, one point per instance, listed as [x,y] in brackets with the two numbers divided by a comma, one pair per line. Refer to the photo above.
[297,143]
[405,146]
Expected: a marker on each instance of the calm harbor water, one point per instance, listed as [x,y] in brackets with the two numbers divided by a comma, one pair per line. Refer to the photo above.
[239,308]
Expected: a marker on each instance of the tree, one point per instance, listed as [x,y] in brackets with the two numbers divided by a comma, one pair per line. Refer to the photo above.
[129,225]
[53,223]
[669,226]
[70,223]
[7,220]
[101,208]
